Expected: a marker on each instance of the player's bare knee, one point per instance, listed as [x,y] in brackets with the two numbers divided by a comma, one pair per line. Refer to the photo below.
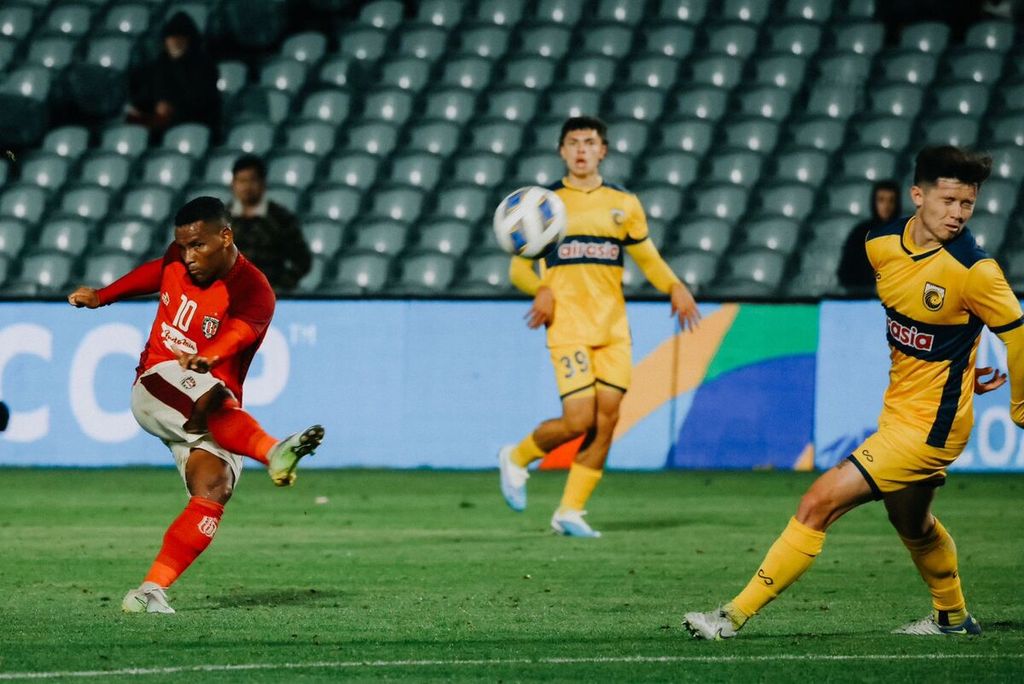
[211,401]
[815,509]
[215,487]
[579,423]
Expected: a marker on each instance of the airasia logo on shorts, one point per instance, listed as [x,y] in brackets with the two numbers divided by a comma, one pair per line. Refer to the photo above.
[909,336]
[208,526]
[603,251]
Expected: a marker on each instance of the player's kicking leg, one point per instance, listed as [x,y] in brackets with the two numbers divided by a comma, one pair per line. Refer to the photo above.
[836,492]
[934,553]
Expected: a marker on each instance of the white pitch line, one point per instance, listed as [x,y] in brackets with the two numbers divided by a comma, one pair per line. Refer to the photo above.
[351,664]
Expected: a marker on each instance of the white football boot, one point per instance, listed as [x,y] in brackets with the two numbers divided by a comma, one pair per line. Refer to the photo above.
[713,625]
[513,479]
[148,598]
[570,523]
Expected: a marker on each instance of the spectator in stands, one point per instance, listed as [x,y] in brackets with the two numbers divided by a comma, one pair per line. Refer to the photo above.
[855,272]
[265,232]
[180,85]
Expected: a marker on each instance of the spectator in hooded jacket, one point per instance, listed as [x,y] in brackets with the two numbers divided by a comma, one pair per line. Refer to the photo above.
[855,273]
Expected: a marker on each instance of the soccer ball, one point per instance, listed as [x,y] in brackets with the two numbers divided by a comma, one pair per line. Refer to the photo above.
[530,222]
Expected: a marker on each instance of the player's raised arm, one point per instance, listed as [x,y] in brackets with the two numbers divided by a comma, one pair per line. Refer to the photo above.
[661,276]
[524,277]
[141,281]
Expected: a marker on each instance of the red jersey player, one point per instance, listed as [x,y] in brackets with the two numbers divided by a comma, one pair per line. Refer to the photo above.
[215,308]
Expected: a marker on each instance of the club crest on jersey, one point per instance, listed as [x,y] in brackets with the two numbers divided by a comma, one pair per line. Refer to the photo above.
[208,526]
[618,216]
[934,296]
[210,325]
[188,382]
[165,298]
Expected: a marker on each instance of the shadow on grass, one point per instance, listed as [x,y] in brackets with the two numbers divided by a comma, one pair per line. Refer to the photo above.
[271,599]
[644,524]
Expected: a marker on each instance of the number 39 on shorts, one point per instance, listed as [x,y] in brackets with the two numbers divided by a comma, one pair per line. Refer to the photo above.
[576,363]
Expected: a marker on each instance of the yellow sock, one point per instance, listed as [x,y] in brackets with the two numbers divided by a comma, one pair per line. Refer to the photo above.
[526,452]
[580,486]
[935,558]
[787,559]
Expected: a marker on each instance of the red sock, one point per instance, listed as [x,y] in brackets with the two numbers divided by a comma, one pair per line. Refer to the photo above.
[186,538]
[238,432]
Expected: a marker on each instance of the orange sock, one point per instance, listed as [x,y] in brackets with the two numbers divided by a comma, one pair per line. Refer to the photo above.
[186,538]
[238,432]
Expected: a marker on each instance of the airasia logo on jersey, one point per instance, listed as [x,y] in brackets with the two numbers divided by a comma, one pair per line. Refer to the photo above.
[602,251]
[909,336]
[175,341]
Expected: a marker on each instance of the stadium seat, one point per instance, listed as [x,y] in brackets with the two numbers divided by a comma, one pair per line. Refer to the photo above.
[810,10]
[674,168]
[314,277]
[1012,96]
[720,200]
[67,141]
[357,169]
[23,121]
[896,99]
[111,51]
[359,272]
[886,132]
[966,98]
[66,235]
[815,276]
[483,168]
[671,40]
[486,275]
[703,234]
[751,133]
[454,104]
[284,74]
[103,269]
[994,35]
[589,71]
[751,11]
[252,138]
[696,268]
[170,169]
[909,66]
[496,135]
[306,47]
[500,12]
[383,236]
[25,201]
[545,40]
[533,73]
[771,232]
[690,11]
[382,14]
[781,71]
[312,137]
[801,38]
[149,202]
[752,273]
[28,81]
[472,73]
[792,200]
[609,39]
[541,168]
[565,102]
[843,68]
[850,197]
[1008,129]
[801,165]
[736,39]
[769,102]
[652,72]
[400,203]
[264,103]
[740,166]
[485,41]
[514,104]
[425,273]
[405,73]
[447,13]
[422,41]
[640,103]
[463,201]
[45,169]
[337,70]
[323,237]
[16,21]
[418,169]
[362,43]
[218,166]
[131,236]
[72,19]
[330,105]
[620,11]
[873,164]
[13,236]
[860,9]
[999,196]
[131,18]
[617,168]
[560,11]
[822,133]
[188,139]
[837,102]
[1007,161]
[292,169]
[862,38]
[980,66]
[448,236]
[544,133]
[335,202]
[627,136]
[701,102]
[129,140]
[231,77]
[720,71]
[687,134]
[52,52]
[926,36]
[989,230]
[46,272]
[376,137]
[953,130]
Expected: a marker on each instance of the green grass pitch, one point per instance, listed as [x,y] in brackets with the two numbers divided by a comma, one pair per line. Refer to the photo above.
[426,576]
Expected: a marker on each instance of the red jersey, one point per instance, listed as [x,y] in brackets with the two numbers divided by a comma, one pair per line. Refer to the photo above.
[190,316]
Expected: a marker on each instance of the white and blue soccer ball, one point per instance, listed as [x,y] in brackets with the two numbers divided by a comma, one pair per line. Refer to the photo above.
[530,222]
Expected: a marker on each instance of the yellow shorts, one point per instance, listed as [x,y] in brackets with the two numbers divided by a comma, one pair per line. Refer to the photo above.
[579,368]
[893,459]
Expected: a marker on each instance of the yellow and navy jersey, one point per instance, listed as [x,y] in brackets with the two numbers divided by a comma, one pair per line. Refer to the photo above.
[585,271]
[936,302]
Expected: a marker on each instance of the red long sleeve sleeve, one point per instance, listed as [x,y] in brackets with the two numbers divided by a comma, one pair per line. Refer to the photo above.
[235,336]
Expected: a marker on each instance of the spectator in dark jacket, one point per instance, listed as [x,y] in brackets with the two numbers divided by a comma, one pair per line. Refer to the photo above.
[855,272]
[265,232]
[180,85]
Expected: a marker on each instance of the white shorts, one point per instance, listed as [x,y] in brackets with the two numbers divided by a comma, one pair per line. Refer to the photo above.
[162,400]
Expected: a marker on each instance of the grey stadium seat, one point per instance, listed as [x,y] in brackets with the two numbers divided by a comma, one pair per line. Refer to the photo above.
[335,202]
[383,236]
[67,235]
[448,236]
[358,169]
[90,202]
[361,272]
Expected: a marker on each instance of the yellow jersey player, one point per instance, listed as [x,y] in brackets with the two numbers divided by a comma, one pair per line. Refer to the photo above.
[578,297]
[938,289]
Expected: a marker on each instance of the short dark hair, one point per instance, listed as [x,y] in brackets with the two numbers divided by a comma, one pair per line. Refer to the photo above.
[250,161]
[584,123]
[202,209]
[947,161]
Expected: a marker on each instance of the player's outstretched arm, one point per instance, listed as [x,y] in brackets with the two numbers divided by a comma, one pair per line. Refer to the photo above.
[661,276]
[232,338]
[86,297]
[684,306]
